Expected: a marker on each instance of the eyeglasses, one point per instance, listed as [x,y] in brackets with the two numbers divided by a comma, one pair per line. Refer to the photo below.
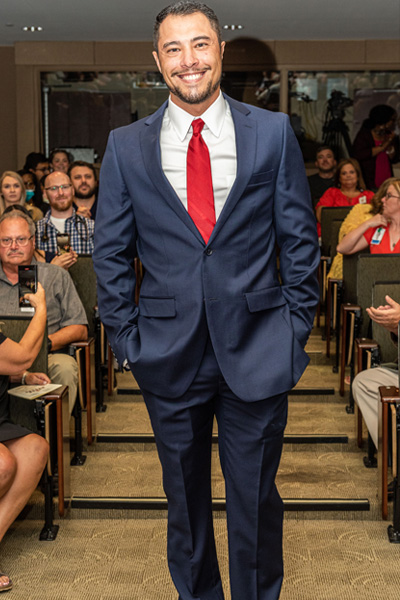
[388,196]
[20,241]
[59,188]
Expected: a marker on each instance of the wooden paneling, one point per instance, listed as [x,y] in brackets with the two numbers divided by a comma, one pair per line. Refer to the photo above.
[54,53]
[320,52]
[8,113]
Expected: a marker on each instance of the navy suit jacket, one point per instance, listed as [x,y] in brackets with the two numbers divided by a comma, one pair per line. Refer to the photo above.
[229,289]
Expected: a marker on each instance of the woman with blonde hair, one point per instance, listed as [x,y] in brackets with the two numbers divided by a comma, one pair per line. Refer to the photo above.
[380,232]
[12,192]
[358,215]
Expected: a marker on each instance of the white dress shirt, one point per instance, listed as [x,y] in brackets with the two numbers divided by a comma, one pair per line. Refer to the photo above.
[219,135]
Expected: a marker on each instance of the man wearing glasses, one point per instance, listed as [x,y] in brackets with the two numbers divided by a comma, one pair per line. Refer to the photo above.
[62,221]
[66,318]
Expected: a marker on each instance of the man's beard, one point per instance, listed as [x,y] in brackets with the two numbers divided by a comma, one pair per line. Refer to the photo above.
[61,207]
[85,195]
[195,97]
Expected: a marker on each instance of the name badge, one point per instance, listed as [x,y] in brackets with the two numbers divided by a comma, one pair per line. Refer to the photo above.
[378,235]
[362,200]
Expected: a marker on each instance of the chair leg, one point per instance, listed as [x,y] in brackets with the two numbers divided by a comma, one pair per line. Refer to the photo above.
[78,459]
[49,531]
[394,530]
[370,461]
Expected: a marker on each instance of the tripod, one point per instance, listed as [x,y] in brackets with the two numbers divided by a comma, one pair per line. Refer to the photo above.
[335,132]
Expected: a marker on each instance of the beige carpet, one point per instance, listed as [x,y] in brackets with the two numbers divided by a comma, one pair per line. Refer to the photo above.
[107,555]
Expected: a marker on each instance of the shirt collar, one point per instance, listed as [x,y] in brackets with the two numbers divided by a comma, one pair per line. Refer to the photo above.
[213,117]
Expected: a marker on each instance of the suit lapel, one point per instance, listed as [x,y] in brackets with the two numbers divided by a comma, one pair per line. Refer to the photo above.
[150,145]
[246,137]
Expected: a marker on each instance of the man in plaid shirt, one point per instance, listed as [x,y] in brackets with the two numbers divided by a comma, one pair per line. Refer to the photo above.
[63,219]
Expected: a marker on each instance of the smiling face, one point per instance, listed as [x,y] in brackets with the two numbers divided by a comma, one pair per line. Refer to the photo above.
[60,162]
[348,177]
[189,58]
[11,191]
[60,200]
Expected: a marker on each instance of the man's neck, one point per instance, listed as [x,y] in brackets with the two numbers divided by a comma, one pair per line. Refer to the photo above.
[325,174]
[61,214]
[11,272]
[86,202]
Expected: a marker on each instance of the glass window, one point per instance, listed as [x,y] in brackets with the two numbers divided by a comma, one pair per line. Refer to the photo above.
[329,107]
[81,107]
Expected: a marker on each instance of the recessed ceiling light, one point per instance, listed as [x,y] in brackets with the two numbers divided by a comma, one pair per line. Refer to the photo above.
[32,28]
[233,27]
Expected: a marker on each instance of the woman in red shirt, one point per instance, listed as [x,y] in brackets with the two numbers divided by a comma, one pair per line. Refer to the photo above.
[382,232]
[349,189]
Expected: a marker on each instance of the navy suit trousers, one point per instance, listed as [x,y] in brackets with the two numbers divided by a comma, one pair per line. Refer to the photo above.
[250,444]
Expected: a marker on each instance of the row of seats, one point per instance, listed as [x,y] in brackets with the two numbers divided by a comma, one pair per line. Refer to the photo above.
[360,343]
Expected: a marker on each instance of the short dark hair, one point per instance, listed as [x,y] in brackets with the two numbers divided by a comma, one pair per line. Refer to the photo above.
[379,115]
[33,159]
[62,151]
[321,148]
[183,8]
[82,163]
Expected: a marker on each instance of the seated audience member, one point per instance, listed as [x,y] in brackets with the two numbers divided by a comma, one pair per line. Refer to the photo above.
[84,179]
[367,383]
[324,179]
[349,189]
[37,163]
[59,160]
[23,454]
[12,192]
[34,195]
[63,219]
[382,231]
[358,215]
[376,146]
[66,318]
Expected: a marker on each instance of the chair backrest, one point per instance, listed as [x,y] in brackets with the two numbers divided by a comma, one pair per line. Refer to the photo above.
[335,228]
[21,409]
[350,262]
[370,269]
[84,278]
[388,350]
[328,215]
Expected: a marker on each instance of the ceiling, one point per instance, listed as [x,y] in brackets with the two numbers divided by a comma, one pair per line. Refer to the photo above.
[132,20]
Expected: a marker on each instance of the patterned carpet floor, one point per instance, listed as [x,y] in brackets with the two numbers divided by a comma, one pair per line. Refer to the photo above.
[116,554]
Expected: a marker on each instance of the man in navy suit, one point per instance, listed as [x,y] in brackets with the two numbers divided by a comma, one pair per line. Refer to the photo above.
[217,331]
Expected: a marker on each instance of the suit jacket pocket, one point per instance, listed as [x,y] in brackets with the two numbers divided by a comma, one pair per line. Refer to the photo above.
[261,178]
[265,299]
[157,307]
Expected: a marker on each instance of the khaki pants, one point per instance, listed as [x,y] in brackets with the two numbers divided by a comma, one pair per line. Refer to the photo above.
[63,369]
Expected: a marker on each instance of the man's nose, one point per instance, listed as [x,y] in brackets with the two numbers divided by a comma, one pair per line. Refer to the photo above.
[188,57]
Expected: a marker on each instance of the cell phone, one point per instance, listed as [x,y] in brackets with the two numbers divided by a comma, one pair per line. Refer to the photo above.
[27,284]
[63,243]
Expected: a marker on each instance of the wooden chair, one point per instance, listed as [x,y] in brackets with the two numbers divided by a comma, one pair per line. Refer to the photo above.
[49,417]
[364,271]
[84,278]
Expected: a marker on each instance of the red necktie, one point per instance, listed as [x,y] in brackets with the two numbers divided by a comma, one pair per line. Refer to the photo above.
[200,195]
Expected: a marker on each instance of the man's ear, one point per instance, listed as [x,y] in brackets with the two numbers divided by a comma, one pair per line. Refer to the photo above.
[155,56]
[222,49]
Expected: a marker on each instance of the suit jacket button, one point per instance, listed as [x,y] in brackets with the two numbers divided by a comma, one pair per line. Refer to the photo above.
[209,251]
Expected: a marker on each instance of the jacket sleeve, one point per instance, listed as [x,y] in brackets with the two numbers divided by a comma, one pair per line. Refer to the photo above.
[296,236]
[115,250]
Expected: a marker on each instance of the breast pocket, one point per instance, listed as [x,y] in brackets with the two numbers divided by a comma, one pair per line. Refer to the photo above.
[261,178]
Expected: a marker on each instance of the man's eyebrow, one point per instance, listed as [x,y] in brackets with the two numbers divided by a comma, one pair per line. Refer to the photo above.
[195,39]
